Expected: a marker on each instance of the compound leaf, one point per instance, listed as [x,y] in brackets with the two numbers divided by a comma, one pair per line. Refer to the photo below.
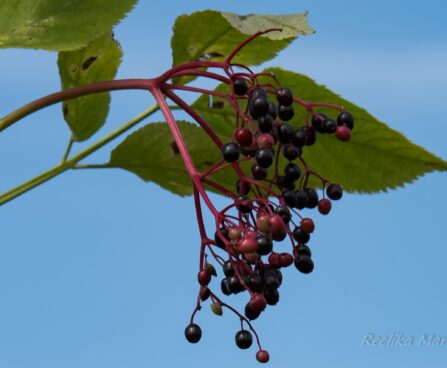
[97,61]
[213,35]
[58,25]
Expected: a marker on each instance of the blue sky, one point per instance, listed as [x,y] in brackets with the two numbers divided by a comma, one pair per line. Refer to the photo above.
[98,269]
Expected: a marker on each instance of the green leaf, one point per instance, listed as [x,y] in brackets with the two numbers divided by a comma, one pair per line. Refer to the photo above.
[152,154]
[376,159]
[58,25]
[96,62]
[213,35]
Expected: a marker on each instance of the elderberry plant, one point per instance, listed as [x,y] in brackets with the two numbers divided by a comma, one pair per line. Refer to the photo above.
[263,133]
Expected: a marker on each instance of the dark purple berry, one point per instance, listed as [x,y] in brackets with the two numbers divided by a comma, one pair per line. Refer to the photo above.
[285,133]
[311,136]
[264,157]
[283,183]
[265,123]
[230,152]
[284,212]
[193,333]
[255,282]
[291,152]
[243,339]
[273,110]
[290,198]
[330,126]
[303,250]
[228,269]
[272,297]
[300,235]
[284,96]
[304,264]
[318,120]
[243,204]
[334,191]
[292,172]
[260,106]
[312,198]
[234,285]
[224,287]
[265,245]
[250,313]
[218,239]
[243,189]
[258,172]
[301,199]
[286,113]
[240,86]
[299,138]
[346,118]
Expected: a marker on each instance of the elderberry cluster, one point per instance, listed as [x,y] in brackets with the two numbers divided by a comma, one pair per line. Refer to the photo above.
[263,208]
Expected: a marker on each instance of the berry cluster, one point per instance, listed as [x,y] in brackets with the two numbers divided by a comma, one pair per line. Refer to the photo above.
[266,199]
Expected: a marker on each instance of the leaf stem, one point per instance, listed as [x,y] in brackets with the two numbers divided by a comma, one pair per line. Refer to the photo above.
[71,163]
[67,151]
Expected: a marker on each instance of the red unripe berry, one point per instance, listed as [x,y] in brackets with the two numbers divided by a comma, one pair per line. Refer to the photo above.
[265,141]
[285,259]
[324,206]
[343,133]
[274,260]
[258,302]
[263,223]
[307,225]
[277,225]
[251,257]
[248,245]
[262,356]
[204,277]
[251,234]
[244,137]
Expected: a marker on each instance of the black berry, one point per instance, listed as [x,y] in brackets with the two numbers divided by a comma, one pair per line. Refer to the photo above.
[193,333]
[334,191]
[286,113]
[304,264]
[264,157]
[230,152]
[284,96]
[243,339]
[240,87]
[346,118]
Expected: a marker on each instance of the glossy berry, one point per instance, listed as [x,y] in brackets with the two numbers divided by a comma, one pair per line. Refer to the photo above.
[274,260]
[264,157]
[346,118]
[277,225]
[299,138]
[255,282]
[324,206]
[318,122]
[265,245]
[257,92]
[284,212]
[218,239]
[204,277]
[343,133]
[312,198]
[303,250]
[283,183]
[292,172]
[307,225]
[285,133]
[260,106]
[234,285]
[228,269]
[250,313]
[304,264]
[262,356]
[334,192]
[265,123]
[290,198]
[271,282]
[330,126]
[284,96]
[286,113]
[271,296]
[243,339]
[311,136]
[258,302]
[302,198]
[224,286]
[244,136]
[300,235]
[248,245]
[291,152]
[273,110]
[193,333]
[230,152]
[205,294]
[258,172]
[240,87]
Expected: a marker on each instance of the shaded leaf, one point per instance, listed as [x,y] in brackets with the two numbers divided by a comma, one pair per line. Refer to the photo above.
[152,154]
[96,62]
[58,25]
[213,35]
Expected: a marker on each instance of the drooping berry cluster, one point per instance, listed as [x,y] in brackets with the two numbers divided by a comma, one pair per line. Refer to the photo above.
[265,201]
